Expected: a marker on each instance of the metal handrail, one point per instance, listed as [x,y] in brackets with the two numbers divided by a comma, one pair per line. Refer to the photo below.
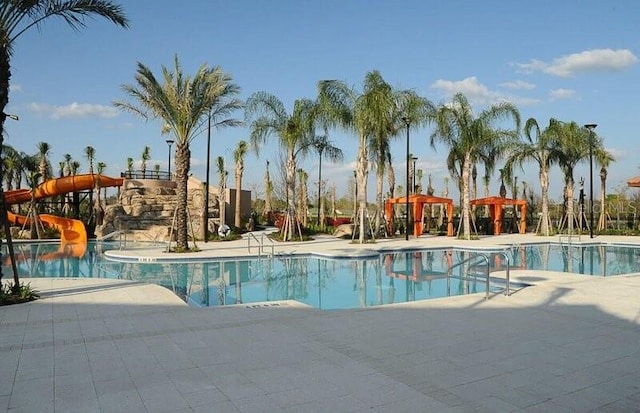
[507,274]
[251,236]
[474,257]
[273,244]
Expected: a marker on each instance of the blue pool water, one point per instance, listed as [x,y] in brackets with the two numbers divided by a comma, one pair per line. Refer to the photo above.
[319,282]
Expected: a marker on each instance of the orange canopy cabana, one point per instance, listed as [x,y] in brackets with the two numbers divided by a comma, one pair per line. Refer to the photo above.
[496,204]
[634,182]
[418,201]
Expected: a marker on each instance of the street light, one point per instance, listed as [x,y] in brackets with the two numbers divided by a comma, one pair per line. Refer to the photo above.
[205,215]
[170,142]
[407,121]
[590,127]
[320,146]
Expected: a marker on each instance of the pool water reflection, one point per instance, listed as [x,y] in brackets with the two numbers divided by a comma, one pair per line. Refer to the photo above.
[324,283]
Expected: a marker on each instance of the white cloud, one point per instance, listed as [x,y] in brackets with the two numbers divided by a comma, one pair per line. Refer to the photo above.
[597,60]
[74,110]
[560,94]
[518,85]
[618,154]
[477,93]
[15,88]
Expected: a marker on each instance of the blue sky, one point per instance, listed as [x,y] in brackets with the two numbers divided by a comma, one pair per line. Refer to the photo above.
[572,60]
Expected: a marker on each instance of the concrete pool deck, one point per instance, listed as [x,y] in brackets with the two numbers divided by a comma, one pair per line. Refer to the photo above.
[568,343]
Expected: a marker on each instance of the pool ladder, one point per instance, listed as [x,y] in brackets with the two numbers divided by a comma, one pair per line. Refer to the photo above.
[261,244]
[476,260]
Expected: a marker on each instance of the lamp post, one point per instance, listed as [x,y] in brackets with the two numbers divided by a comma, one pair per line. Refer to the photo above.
[590,127]
[407,121]
[205,215]
[169,142]
[320,146]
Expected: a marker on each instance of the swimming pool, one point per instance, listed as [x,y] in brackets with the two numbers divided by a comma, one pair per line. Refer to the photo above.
[323,283]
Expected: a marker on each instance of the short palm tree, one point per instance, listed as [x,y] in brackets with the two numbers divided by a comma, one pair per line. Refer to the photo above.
[182,103]
[469,136]
[267,116]
[238,157]
[144,158]
[44,168]
[130,167]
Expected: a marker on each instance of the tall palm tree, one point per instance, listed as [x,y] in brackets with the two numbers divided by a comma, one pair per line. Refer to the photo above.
[303,198]
[268,194]
[17,17]
[268,116]
[222,189]
[90,155]
[542,148]
[574,143]
[183,103]
[238,157]
[325,149]
[100,169]
[11,164]
[376,114]
[469,136]
[144,158]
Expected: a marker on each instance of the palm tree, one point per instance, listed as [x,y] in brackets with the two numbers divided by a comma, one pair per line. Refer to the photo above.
[469,136]
[144,158]
[44,167]
[574,143]
[90,154]
[329,113]
[303,198]
[17,17]
[268,193]
[542,148]
[325,148]
[182,103]
[268,116]
[130,167]
[222,188]
[238,157]
[67,164]
[376,115]
[100,169]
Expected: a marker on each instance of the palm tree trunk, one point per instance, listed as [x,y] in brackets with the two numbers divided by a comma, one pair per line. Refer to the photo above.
[361,175]
[392,181]
[602,221]
[291,185]
[379,196]
[237,217]
[466,222]
[183,156]
[545,223]
[570,215]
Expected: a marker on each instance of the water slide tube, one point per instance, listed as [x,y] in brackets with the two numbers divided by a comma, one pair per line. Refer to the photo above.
[73,235]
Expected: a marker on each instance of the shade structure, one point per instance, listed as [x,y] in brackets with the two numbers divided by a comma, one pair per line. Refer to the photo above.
[496,205]
[634,182]
[418,201]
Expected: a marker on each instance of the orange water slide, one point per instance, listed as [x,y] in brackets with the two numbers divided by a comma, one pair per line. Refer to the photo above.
[61,186]
[73,234]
